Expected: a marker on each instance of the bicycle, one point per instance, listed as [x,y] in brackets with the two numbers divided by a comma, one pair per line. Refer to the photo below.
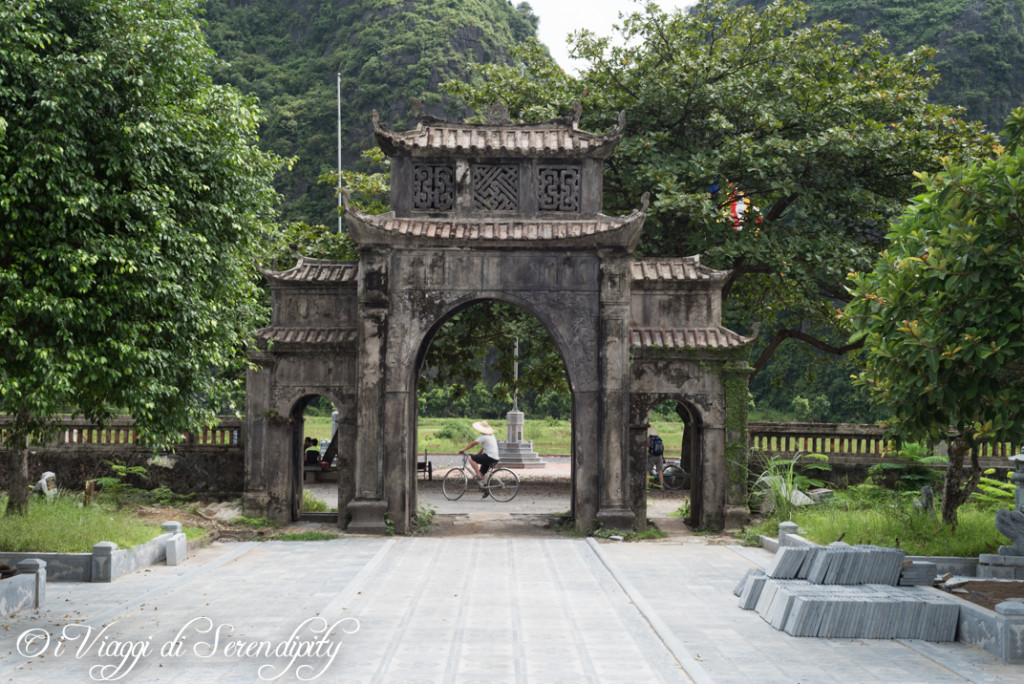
[501,483]
[672,474]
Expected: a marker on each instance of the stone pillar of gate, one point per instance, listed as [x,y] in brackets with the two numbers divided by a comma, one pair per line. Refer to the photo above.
[270,470]
[616,505]
[369,506]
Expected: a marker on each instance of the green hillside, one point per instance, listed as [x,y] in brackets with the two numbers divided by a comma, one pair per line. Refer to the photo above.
[980,45]
[388,52]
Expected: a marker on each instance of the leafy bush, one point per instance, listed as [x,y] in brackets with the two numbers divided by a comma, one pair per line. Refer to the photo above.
[456,431]
[780,477]
[993,494]
[312,504]
[117,487]
[908,468]
[165,496]
[423,519]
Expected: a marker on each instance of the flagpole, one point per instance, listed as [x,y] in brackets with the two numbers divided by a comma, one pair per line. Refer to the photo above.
[339,152]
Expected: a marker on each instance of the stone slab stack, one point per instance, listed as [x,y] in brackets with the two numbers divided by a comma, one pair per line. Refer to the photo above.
[843,591]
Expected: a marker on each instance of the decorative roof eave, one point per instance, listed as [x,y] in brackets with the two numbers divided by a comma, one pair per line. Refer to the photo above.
[689,338]
[686,269]
[524,233]
[313,271]
[283,338]
[558,138]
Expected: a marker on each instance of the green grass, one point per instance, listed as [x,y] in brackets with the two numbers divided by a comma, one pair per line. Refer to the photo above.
[866,515]
[64,525]
[549,436]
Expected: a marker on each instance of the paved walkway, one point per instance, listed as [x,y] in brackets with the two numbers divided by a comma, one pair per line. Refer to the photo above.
[485,608]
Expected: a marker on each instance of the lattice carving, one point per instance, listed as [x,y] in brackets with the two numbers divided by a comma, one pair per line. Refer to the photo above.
[433,187]
[496,187]
[558,188]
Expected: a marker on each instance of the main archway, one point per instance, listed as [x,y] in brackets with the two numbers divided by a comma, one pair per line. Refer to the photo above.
[510,213]
[497,324]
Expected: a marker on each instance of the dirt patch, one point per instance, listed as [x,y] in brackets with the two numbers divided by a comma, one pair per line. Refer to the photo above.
[214,518]
[987,593]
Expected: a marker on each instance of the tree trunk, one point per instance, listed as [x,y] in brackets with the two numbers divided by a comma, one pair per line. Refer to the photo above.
[954,491]
[17,492]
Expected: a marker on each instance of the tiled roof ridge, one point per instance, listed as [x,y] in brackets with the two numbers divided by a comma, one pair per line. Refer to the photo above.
[715,337]
[307,269]
[537,231]
[287,334]
[673,268]
[558,137]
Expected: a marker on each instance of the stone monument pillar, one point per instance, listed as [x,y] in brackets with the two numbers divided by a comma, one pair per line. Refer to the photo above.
[515,452]
[1009,562]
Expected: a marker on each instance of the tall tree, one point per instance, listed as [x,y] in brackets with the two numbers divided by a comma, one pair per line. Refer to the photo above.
[132,197]
[775,149]
[942,313]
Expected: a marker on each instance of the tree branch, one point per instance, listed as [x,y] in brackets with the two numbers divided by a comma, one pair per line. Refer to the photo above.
[783,335]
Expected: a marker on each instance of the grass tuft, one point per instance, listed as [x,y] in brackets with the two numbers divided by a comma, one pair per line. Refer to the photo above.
[64,525]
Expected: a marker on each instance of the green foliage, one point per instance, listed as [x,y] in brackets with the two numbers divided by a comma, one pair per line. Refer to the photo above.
[312,504]
[258,523]
[942,313]
[422,521]
[801,371]
[63,525]
[780,477]
[457,432]
[165,496]
[822,137]
[316,242]
[873,515]
[908,469]
[480,340]
[811,410]
[118,487]
[132,201]
[980,45]
[682,512]
[994,494]
[369,192]
[388,54]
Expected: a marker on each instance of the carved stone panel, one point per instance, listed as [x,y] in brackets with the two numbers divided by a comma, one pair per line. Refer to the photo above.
[558,188]
[433,186]
[495,187]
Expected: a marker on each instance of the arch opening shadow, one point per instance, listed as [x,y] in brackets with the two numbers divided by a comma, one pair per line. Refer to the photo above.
[546,484]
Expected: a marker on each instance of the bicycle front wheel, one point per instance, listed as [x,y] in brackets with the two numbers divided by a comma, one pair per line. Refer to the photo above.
[454,484]
[503,484]
[675,477]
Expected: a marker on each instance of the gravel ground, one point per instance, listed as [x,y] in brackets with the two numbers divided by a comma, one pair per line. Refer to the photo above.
[543,491]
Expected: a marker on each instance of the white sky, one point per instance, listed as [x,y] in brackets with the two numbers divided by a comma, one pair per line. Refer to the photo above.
[559,18]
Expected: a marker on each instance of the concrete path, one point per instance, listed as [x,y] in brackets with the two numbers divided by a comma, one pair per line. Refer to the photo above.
[486,608]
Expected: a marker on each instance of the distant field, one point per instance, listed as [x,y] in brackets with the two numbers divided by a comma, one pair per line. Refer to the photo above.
[448,435]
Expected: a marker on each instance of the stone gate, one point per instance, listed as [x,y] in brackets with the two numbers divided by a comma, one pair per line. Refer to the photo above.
[506,212]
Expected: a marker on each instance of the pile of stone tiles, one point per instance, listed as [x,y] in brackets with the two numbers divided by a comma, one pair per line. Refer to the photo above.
[843,591]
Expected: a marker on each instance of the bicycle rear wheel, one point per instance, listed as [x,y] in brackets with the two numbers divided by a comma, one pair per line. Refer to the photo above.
[503,484]
[454,484]
[675,477]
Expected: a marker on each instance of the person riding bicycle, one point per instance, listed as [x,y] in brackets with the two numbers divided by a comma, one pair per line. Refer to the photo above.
[485,459]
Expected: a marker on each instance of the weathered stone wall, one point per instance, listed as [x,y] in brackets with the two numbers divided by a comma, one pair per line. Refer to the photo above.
[207,470]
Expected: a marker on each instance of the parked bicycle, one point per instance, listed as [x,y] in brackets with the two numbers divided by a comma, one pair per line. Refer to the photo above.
[501,483]
[673,476]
